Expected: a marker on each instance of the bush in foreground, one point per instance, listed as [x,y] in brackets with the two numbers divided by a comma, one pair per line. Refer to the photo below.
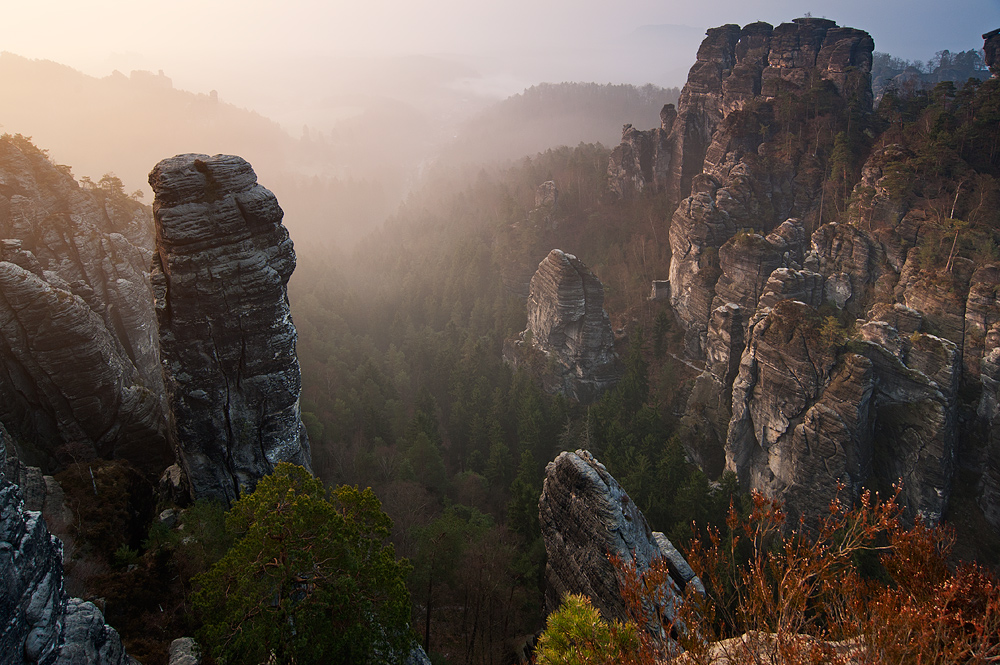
[310,578]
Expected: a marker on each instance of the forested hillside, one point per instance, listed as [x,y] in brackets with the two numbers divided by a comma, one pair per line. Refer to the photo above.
[405,389]
[548,115]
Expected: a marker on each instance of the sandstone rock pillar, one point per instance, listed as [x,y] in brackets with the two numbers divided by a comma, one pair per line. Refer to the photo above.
[227,341]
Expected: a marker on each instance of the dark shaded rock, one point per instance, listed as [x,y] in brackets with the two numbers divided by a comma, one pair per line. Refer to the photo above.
[568,326]
[80,374]
[991,48]
[915,421]
[585,516]
[38,622]
[709,406]
[227,339]
[982,313]
[989,411]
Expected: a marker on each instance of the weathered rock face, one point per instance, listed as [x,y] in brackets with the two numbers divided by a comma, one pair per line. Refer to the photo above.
[227,339]
[80,374]
[643,158]
[733,66]
[38,622]
[585,515]
[807,415]
[992,50]
[800,413]
[568,326]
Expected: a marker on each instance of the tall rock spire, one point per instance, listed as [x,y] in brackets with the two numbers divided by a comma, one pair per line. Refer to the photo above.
[227,340]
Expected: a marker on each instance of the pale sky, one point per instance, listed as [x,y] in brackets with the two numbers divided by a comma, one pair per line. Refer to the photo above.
[249,50]
[85,34]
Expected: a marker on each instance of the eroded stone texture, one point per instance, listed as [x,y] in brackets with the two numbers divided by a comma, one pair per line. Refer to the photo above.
[227,339]
[38,622]
[800,413]
[807,414]
[733,66]
[718,174]
[585,515]
[991,48]
[80,374]
[567,324]
[989,411]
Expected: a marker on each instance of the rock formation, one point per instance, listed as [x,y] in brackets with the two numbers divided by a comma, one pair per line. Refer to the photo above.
[80,373]
[38,622]
[585,515]
[868,392]
[733,66]
[992,50]
[800,412]
[568,327]
[227,340]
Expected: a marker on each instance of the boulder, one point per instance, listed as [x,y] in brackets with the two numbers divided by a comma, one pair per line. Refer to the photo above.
[586,516]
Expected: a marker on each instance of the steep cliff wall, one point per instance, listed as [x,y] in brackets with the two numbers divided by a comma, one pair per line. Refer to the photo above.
[227,340]
[80,374]
[735,66]
[883,384]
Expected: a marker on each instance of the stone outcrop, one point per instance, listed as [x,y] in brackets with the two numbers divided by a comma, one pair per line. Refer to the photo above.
[991,48]
[800,413]
[568,331]
[227,340]
[643,158]
[80,373]
[38,622]
[869,391]
[717,175]
[735,65]
[585,515]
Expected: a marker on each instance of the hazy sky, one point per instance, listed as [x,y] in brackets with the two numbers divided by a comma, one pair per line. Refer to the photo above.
[245,48]
[84,34]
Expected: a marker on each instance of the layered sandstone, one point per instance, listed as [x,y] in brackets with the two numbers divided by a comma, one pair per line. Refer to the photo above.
[80,373]
[586,516]
[569,329]
[227,340]
[39,623]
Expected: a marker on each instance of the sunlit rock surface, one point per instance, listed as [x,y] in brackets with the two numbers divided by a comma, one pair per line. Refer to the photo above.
[227,340]
[568,341]
[80,374]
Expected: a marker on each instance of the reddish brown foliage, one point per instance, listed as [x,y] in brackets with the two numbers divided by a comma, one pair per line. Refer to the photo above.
[860,587]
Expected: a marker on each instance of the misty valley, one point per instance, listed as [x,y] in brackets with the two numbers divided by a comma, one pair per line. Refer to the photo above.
[595,373]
